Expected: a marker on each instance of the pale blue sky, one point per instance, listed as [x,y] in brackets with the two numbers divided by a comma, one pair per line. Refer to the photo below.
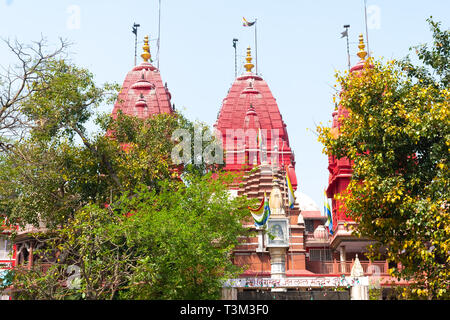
[299,49]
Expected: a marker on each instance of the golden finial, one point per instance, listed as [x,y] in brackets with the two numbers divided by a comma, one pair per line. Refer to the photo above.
[146,54]
[249,65]
[362,53]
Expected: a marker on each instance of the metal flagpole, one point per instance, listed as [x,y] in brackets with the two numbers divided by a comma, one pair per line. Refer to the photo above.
[256,48]
[367,32]
[345,33]
[159,31]
[235,57]
[348,54]
[135,30]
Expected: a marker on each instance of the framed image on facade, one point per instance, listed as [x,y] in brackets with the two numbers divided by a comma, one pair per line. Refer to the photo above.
[279,233]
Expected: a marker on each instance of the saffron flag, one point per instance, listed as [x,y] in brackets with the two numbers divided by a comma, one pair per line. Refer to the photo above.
[327,212]
[262,213]
[290,190]
[245,23]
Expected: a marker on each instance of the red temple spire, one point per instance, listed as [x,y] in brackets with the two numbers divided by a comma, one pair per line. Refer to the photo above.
[143,92]
[250,105]
[340,170]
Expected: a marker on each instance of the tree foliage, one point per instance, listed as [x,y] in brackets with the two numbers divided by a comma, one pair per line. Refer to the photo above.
[397,133]
[21,80]
[170,244]
[113,202]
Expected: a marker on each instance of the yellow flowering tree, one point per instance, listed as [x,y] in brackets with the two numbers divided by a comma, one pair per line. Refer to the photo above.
[397,133]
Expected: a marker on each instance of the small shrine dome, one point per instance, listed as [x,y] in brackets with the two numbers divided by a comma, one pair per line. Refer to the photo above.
[321,233]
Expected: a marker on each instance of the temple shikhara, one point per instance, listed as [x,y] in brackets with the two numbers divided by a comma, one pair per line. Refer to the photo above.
[143,93]
[296,251]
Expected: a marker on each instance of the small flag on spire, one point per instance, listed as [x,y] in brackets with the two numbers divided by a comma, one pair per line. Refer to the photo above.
[135,28]
[344,33]
[290,190]
[327,212]
[259,140]
[245,23]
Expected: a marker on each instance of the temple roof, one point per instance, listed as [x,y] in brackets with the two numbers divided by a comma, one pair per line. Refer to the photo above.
[143,93]
[250,104]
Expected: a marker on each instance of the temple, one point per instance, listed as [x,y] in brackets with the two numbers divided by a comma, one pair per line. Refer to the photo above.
[307,259]
[294,254]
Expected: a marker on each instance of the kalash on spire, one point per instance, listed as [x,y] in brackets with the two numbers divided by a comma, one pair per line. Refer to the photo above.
[143,93]
[249,65]
[362,54]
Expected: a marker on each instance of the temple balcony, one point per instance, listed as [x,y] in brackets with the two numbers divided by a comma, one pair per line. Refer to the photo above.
[335,267]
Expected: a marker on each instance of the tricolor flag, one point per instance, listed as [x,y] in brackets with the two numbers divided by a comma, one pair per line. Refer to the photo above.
[262,213]
[259,139]
[290,190]
[245,23]
[327,212]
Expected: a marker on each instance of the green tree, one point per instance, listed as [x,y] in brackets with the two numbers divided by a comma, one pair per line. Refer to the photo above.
[185,238]
[397,134]
[21,80]
[113,202]
[48,175]
[40,172]
[174,243]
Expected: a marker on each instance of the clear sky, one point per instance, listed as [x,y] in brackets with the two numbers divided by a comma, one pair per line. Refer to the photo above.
[299,50]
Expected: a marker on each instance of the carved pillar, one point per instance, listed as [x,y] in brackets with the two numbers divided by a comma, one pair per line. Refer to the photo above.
[30,256]
[278,265]
[14,255]
[18,253]
[229,294]
[260,240]
[342,258]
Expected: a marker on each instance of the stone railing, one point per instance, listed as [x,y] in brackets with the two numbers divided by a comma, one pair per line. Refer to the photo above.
[338,267]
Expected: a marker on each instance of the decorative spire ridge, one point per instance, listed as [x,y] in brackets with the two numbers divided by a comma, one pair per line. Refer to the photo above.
[249,65]
[141,102]
[146,54]
[251,110]
[362,53]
